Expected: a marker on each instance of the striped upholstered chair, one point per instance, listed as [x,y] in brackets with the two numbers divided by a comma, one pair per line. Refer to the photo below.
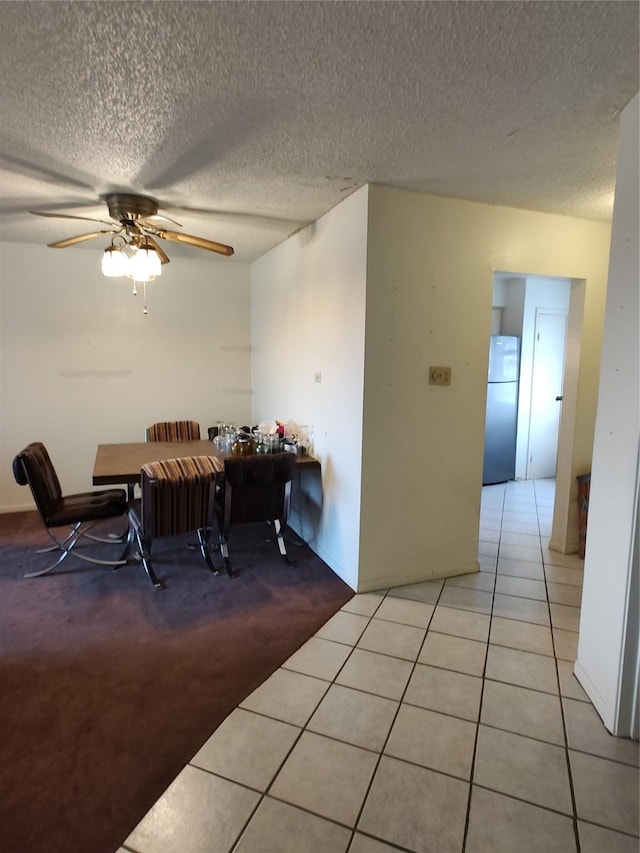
[174,431]
[177,496]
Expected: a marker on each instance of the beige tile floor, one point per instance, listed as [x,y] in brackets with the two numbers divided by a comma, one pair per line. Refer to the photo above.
[442,716]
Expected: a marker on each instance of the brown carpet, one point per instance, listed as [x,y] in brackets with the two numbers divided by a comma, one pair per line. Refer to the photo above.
[108,688]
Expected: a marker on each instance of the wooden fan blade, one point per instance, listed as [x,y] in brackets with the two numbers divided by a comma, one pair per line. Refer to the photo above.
[159,217]
[69,216]
[164,258]
[200,242]
[71,241]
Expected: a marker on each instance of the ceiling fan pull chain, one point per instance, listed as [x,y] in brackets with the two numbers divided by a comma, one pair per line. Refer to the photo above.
[144,293]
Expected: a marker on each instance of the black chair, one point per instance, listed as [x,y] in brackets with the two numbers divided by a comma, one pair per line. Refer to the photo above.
[33,467]
[256,488]
[176,497]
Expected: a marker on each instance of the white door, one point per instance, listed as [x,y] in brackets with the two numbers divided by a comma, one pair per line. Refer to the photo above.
[546,392]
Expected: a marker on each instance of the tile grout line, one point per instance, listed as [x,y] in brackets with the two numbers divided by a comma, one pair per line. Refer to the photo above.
[465,831]
[393,722]
[303,729]
[562,714]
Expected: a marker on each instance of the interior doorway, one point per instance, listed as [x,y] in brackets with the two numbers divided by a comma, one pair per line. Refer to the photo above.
[535,309]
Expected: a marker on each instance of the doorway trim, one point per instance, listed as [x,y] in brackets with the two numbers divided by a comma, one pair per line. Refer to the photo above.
[564,534]
[564,528]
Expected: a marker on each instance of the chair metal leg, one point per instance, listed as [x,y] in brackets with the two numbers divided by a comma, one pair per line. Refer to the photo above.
[203,540]
[224,550]
[63,555]
[145,556]
[283,550]
[146,562]
[68,544]
[129,542]
[222,545]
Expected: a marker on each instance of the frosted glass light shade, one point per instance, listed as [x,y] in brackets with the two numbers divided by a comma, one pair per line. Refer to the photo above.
[144,265]
[114,262]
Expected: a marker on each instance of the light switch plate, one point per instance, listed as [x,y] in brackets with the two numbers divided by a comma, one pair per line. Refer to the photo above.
[439,376]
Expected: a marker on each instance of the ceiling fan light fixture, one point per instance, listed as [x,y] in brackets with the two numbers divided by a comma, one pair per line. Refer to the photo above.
[144,264]
[114,262]
[134,252]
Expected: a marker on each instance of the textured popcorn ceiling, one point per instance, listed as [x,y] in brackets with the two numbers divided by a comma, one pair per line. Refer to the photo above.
[247,120]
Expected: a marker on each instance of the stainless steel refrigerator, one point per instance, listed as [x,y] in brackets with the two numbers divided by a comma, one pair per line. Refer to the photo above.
[502,410]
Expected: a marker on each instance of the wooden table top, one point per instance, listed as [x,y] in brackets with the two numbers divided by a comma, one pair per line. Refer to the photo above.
[121,463]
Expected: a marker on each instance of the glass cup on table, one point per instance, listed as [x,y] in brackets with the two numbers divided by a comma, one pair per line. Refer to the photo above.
[227,434]
[272,441]
[260,439]
[305,441]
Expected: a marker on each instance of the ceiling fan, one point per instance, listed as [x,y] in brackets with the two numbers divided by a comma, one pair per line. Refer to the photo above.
[135,231]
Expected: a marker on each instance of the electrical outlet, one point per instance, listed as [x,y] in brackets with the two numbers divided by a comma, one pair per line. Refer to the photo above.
[439,376]
[317,377]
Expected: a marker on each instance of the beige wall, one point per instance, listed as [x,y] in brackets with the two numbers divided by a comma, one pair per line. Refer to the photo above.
[81,365]
[429,296]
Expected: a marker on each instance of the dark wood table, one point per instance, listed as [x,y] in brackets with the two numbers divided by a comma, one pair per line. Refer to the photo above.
[121,463]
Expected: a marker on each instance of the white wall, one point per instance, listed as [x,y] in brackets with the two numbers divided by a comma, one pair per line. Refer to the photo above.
[81,365]
[607,664]
[308,308]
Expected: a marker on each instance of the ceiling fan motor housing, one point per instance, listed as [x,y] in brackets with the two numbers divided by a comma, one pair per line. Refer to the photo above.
[125,208]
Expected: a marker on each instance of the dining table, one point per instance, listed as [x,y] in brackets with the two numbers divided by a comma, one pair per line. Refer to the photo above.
[121,463]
